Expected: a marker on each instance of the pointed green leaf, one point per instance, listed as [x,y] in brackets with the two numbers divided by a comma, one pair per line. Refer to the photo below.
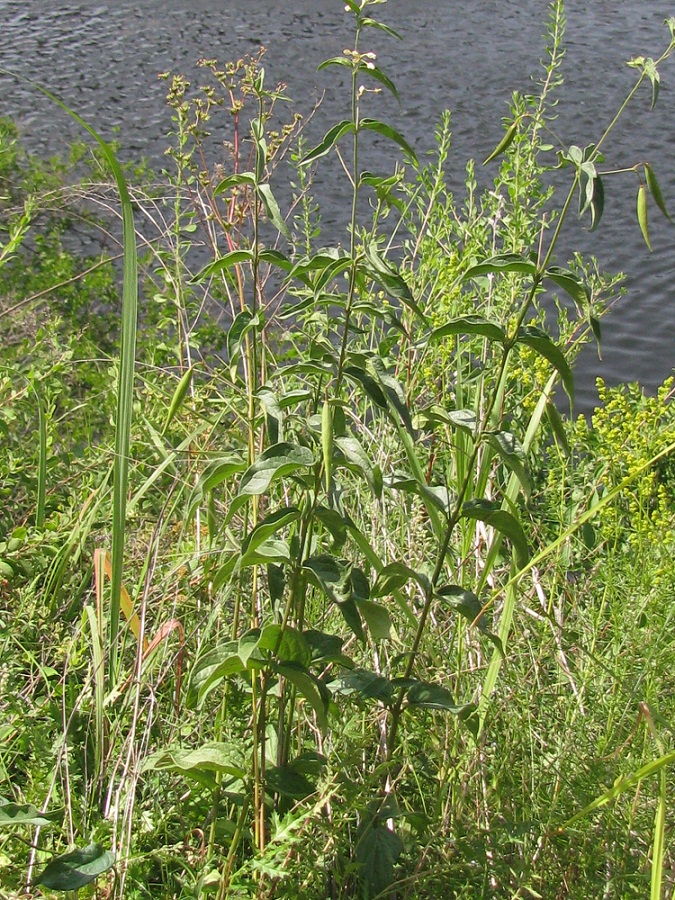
[569,282]
[178,398]
[598,202]
[539,341]
[312,689]
[388,278]
[390,133]
[272,523]
[202,763]
[277,461]
[469,325]
[506,523]
[367,22]
[368,685]
[233,258]
[25,814]
[379,76]
[467,604]
[323,647]
[377,851]
[394,576]
[272,209]
[72,871]
[503,263]
[655,190]
[370,386]
[511,452]
[504,144]
[376,618]
[211,668]
[330,139]
[287,643]
[642,214]
[234,181]
[266,552]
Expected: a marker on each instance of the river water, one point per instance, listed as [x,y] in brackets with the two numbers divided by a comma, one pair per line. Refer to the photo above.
[103,59]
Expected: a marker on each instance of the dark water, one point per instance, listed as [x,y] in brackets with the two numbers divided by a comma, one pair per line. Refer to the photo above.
[103,59]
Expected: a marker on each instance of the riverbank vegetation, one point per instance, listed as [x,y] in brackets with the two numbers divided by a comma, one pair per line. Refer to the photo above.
[311,585]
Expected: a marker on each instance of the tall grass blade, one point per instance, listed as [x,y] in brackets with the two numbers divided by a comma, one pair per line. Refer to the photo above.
[125,382]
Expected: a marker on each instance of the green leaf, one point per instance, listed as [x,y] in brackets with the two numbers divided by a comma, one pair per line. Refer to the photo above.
[470,325]
[234,181]
[354,453]
[288,782]
[72,871]
[272,209]
[330,139]
[266,552]
[201,764]
[393,391]
[569,282]
[334,578]
[511,452]
[178,398]
[269,526]
[390,133]
[504,144]
[539,341]
[323,646]
[655,190]
[642,214]
[275,462]
[233,258]
[394,576]
[379,76]
[467,604]
[464,419]
[368,685]
[376,618]
[216,472]
[368,383]
[501,264]
[388,278]
[434,696]
[287,644]
[377,851]
[492,514]
[25,814]
[312,689]
[367,22]
[211,668]
[276,258]
[438,495]
[598,202]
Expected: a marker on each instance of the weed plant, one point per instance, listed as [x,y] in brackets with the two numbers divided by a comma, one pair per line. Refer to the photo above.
[326,598]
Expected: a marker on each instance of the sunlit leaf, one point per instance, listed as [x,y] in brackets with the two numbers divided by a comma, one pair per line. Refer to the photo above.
[642,214]
[469,325]
[504,144]
[505,262]
[539,341]
[329,141]
[233,258]
[25,814]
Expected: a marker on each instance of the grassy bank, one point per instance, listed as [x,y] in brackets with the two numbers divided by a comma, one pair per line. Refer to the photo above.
[308,588]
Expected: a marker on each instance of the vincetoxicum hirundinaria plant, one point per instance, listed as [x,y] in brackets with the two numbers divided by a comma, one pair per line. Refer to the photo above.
[328,443]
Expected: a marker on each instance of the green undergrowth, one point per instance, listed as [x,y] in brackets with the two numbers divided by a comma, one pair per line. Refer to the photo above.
[310,584]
